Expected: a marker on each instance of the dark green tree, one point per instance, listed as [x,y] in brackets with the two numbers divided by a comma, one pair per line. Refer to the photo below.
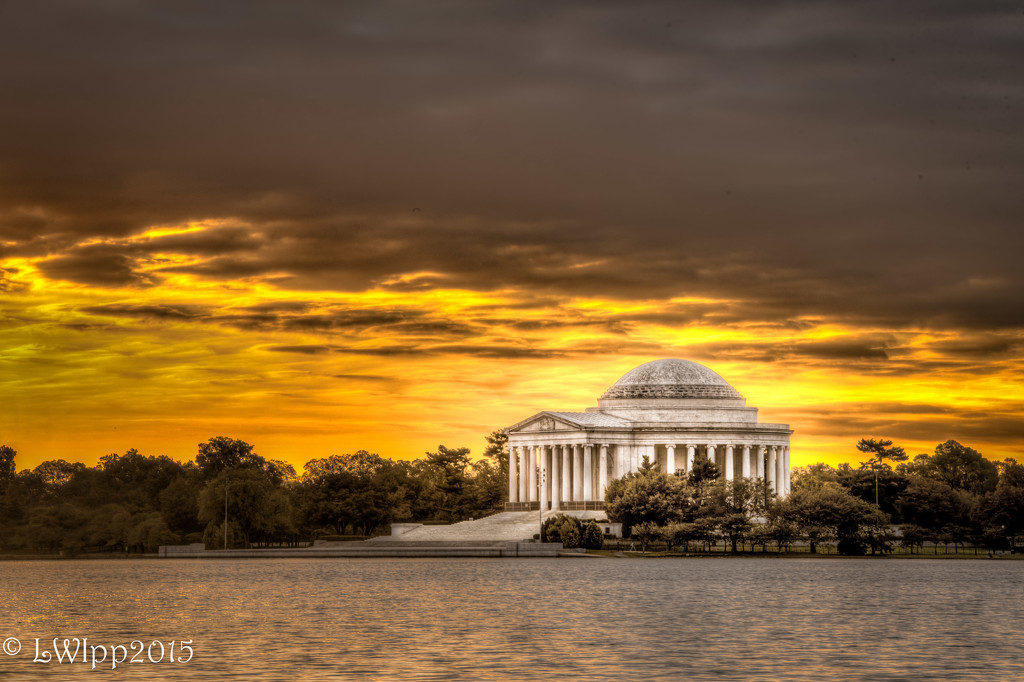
[932,505]
[1011,473]
[733,504]
[221,453]
[592,537]
[813,476]
[487,489]
[252,501]
[7,469]
[880,450]
[57,475]
[703,473]
[179,503]
[959,467]
[846,518]
[644,496]
[451,465]
[497,451]
[563,528]
[1002,512]
[361,490]
[645,533]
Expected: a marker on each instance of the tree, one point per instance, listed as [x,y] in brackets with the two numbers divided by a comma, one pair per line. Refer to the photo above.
[139,479]
[733,505]
[56,474]
[220,453]
[959,467]
[149,532]
[644,496]
[1011,473]
[880,450]
[497,451]
[246,494]
[813,476]
[451,465]
[179,503]
[645,533]
[851,521]
[7,469]
[361,490]
[869,483]
[913,536]
[592,537]
[487,489]
[702,473]
[1002,512]
[782,531]
[679,534]
[562,528]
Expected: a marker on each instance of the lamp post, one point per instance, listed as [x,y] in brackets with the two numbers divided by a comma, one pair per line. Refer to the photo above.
[540,510]
[225,512]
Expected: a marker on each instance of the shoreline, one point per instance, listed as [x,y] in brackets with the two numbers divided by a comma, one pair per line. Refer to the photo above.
[456,553]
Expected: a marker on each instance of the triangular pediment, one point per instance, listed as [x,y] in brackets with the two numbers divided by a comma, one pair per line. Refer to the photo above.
[543,422]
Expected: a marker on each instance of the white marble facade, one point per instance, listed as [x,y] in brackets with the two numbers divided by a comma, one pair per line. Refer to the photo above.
[669,410]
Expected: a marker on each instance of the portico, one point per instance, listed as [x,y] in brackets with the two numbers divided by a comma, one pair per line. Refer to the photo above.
[671,411]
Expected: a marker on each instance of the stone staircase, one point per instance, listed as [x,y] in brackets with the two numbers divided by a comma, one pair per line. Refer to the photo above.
[501,527]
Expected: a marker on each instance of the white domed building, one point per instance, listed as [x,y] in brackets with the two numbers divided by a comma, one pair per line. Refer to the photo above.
[671,411]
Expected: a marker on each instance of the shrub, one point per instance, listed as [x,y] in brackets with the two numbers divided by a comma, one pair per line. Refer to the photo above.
[592,537]
[564,529]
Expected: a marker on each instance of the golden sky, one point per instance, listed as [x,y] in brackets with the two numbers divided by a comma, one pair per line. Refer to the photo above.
[371,227]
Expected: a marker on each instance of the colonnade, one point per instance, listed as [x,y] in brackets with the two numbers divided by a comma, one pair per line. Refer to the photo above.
[557,474]
[572,475]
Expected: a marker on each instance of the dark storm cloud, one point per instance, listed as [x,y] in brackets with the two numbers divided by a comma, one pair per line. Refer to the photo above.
[981,347]
[308,349]
[8,285]
[499,351]
[160,312]
[805,158]
[900,421]
[99,265]
[865,350]
[219,241]
[365,377]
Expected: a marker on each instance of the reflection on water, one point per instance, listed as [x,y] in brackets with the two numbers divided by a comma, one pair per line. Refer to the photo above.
[440,619]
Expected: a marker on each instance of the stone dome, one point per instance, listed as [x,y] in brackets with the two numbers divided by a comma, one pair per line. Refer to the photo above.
[671,378]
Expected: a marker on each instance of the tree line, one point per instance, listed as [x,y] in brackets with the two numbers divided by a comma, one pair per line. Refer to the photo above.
[953,496]
[135,503]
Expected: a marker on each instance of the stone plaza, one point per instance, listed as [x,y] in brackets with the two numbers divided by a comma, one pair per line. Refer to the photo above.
[671,411]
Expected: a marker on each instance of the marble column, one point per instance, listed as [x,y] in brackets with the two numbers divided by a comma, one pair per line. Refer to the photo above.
[533,472]
[513,483]
[545,477]
[577,473]
[771,467]
[567,473]
[786,470]
[588,472]
[780,472]
[524,476]
[711,454]
[670,459]
[729,452]
[745,472]
[760,460]
[556,479]
[602,471]
[690,454]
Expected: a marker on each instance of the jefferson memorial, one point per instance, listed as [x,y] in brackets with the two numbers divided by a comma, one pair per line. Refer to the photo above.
[671,411]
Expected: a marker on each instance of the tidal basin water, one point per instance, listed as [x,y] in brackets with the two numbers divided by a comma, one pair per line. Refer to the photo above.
[442,619]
